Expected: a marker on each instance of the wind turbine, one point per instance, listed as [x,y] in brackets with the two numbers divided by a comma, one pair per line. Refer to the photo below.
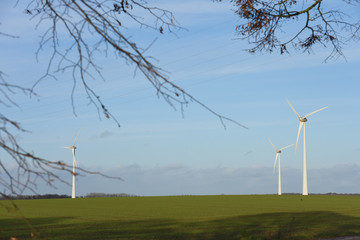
[277,156]
[73,147]
[303,120]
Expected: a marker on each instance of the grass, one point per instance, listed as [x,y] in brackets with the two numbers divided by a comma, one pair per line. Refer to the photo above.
[184,217]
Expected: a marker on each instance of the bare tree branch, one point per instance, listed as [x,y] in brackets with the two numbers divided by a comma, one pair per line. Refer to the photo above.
[264,22]
[105,21]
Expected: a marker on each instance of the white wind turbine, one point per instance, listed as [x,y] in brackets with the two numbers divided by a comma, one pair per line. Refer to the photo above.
[303,120]
[73,147]
[277,156]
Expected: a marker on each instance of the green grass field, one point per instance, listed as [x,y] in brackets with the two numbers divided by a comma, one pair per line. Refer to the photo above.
[184,217]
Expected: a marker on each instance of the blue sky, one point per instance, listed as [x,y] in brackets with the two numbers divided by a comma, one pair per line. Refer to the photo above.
[159,152]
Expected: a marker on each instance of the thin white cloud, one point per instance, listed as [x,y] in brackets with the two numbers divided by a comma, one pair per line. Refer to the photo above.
[297,60]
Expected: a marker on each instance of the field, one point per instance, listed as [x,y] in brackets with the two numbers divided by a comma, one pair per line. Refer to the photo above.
[183,217]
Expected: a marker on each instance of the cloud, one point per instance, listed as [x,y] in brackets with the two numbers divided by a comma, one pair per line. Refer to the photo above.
[342,178]
[178,179]
[270,64]
[276,63]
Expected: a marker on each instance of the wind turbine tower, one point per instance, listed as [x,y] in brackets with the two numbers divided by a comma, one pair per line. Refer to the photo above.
[73,147]
[277,156]
[303,120]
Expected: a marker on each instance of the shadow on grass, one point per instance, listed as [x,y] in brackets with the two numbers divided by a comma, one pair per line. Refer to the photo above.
[309,225]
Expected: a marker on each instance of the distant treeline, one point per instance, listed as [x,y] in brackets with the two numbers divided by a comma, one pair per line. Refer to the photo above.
[24,197]
[330,193]
[53,196]
[94,195]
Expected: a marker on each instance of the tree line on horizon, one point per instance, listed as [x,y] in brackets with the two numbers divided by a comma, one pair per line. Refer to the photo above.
[59,196]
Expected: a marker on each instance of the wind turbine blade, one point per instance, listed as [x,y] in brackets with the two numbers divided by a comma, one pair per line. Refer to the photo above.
[293,108]
[272,144]
[316,111]
[297,139]
[276,156]
[67,147]
[286,147]
[76,137]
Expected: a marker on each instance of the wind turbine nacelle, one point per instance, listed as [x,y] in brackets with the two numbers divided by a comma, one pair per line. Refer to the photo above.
[278,151]
[302,119]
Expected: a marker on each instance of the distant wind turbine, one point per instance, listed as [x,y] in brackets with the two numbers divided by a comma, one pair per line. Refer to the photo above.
[277,156]
[303,120]
[73,147]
